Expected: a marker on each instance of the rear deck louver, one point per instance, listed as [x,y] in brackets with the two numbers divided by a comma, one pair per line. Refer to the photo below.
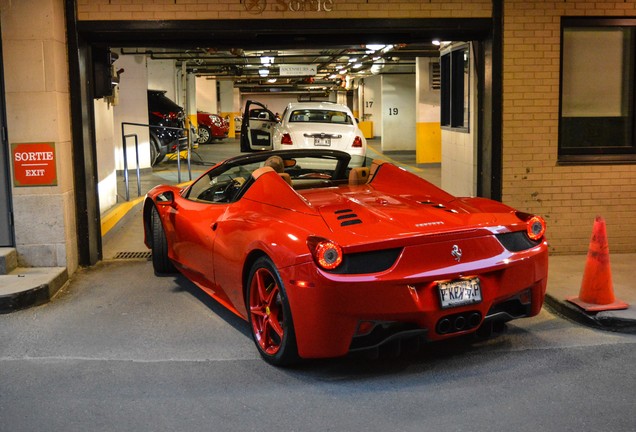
[347,217]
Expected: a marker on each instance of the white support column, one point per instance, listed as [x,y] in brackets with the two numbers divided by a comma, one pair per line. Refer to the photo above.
[398,112]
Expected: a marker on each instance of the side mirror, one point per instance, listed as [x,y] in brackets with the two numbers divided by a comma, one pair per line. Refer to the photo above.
[165,199]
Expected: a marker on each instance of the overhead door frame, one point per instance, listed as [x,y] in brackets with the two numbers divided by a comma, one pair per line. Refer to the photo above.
[255,34]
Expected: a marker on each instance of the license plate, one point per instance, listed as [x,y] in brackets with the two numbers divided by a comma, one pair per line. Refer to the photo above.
[322,141]
[459,292]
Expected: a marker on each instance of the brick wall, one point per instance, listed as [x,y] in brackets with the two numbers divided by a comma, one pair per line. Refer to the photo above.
[238,9]
[568,196]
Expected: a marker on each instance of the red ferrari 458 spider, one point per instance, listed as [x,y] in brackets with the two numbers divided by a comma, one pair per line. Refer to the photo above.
[325,254]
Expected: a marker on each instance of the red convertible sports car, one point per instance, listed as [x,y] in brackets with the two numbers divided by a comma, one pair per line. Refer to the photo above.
[325,254]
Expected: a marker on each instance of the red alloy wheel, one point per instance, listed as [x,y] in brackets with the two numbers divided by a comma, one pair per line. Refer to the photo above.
[266,309]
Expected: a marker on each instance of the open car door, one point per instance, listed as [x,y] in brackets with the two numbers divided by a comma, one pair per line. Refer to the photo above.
[257,127]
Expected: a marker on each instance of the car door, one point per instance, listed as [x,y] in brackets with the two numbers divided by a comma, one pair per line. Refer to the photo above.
[194,217]
[257,127]
[194,236]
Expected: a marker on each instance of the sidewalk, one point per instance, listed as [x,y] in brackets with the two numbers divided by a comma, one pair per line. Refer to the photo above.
[565,274]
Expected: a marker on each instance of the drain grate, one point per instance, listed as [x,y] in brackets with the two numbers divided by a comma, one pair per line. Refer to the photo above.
[133,255]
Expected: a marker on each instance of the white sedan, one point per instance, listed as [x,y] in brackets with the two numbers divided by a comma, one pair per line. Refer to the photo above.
[319,125]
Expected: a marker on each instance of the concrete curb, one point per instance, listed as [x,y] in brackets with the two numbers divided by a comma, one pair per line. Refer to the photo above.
[28,287]
[613,321]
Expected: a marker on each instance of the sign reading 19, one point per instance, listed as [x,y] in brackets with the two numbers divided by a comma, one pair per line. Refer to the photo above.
[392,111]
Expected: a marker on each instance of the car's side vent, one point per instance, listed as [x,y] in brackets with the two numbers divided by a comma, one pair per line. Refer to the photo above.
[438,205]
[347,217]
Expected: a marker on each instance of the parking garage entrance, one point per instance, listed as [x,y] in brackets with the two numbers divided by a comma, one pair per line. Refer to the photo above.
[85,36]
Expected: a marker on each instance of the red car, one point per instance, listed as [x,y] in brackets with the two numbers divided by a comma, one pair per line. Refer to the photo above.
[324,253]
[211,127]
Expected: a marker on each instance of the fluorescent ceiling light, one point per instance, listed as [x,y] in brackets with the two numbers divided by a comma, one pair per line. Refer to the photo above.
[375,47]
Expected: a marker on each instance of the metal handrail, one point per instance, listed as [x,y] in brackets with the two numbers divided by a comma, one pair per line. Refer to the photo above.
[125,145]
[126,165]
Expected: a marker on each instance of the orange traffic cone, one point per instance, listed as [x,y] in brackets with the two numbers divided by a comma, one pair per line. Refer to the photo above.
[597,289]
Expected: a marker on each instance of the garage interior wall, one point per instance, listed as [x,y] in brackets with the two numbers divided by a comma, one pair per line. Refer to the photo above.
[131,107]
[459,148]
[105,141]
[206,95]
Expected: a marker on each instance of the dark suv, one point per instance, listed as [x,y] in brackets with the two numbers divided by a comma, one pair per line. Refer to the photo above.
[163,116]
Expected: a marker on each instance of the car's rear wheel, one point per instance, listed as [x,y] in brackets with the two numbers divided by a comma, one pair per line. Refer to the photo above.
[155,151]
[270,316]
[160,261]
[205,135]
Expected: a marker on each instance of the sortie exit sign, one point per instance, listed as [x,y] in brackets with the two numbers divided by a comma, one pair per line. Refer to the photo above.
[34,164]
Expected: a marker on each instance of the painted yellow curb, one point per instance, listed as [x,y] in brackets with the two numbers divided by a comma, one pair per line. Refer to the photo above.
[110,219]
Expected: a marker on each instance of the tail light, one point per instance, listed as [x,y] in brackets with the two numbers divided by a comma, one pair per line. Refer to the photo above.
[286,139]
[172,116]
[326,253]
[357,142]
[535,227]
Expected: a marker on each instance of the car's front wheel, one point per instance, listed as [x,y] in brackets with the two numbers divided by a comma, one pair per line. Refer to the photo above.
[270,316]
[205,135]
[160,261]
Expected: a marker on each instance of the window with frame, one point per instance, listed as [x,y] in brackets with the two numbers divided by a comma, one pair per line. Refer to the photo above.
[597,116]
[455,87]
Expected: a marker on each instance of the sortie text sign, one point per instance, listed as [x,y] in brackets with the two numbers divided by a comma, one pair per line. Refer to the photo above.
[34,164]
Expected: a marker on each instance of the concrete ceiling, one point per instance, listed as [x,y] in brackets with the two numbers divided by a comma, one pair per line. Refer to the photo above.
[292,70]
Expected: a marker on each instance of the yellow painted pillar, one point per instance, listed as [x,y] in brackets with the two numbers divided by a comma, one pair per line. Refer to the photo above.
[230,116]
[429,142]
[367,129]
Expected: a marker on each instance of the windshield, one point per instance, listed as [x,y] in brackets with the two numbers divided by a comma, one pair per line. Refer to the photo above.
[320,116]
[227,182]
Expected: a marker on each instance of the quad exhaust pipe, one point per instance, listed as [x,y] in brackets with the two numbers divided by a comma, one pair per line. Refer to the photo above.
[458,322]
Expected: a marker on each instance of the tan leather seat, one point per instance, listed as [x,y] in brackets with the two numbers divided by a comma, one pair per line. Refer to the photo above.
[358,176]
